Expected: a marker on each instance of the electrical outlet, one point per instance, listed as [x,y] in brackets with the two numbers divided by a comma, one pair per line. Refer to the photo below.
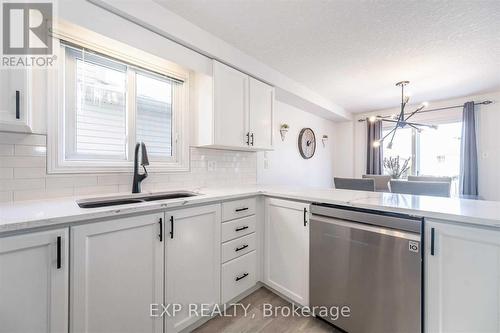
[211,166]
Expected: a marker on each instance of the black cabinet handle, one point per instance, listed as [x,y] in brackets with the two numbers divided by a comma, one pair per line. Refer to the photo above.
[240,209]
[241,277]
[161,229]
[241,228]
[248,138]
[58,264]
[305,217]
[171,227]
[251,135]
[18,107]
[241,248]
[432,241]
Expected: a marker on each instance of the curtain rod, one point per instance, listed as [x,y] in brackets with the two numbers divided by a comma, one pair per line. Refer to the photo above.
[431,110]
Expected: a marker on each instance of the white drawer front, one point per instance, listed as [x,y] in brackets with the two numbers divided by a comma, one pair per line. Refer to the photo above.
[237,228]
[238,275]
[238,247]
[238,208]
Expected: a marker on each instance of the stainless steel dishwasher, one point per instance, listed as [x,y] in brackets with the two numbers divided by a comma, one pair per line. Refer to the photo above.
[370,262]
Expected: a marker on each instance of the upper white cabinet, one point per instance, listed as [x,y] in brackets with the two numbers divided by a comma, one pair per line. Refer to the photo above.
[261,99]
[192,274]
[116,274]
[241,113]
[462,279]
[14,100]
[286,252]
[230,106]
[34,282]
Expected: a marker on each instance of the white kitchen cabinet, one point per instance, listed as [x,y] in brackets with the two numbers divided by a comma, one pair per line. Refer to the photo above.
[462,278]
[230,106]
[116,273]
[192,261]
[34,282]
[261,97]
[241,114]
[14,100]
[286,248]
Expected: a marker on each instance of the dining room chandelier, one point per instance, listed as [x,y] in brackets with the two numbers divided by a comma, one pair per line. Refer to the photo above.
[402,119]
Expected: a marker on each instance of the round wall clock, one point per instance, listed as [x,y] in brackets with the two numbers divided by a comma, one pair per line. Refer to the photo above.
[307,143]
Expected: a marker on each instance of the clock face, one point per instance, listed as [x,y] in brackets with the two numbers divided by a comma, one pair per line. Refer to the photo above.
[307,143]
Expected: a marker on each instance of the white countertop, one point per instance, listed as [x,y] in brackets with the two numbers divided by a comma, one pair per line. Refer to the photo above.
[39,213]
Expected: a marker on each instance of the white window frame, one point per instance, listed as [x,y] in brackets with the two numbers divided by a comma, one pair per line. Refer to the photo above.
[56,162]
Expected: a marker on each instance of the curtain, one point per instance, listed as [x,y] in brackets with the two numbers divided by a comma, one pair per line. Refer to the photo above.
[468,152]
[373,154]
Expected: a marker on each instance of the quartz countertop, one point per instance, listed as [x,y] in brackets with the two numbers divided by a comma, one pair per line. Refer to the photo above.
[22,215]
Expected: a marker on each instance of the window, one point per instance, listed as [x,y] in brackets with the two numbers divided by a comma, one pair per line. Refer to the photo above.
[434,152]
[107,104]
[402,146]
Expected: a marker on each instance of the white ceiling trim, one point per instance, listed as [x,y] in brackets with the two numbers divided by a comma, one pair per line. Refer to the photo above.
[161,21]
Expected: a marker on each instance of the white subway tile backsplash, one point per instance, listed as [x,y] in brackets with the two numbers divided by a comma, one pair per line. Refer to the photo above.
[77,180]
[87,190]
[21,184]
[23,172]
[6,173]
[6,150]
[22,161]
[29,172]
[22,139]
[24,150]
[6,196]
[42,194]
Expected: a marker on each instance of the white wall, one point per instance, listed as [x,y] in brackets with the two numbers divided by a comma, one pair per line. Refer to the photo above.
[488,125]
[285,165]
[150,14]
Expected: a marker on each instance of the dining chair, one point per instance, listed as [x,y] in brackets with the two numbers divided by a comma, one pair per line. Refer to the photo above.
[356,184]
[436,189]
[381,182]
[429,179]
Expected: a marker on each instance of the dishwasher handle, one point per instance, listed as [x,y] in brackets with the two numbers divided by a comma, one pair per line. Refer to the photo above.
[366,227]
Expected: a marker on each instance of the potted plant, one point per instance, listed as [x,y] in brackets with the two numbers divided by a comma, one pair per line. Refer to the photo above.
[397,167]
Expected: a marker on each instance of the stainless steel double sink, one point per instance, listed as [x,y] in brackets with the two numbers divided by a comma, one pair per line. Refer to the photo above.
[133,198]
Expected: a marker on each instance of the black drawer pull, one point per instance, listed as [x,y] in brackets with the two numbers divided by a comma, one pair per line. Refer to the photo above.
[305,217]
[171,227]
[18,107]
[251,135]
[161,229]
[237,210]
[432,241]
[241,228]
[241,277]
[241,248]
[58,264]
[248,139]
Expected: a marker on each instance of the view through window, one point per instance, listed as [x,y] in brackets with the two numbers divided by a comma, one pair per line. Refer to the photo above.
[433,152]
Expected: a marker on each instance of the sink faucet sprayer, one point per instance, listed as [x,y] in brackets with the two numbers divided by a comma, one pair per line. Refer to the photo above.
[138,178]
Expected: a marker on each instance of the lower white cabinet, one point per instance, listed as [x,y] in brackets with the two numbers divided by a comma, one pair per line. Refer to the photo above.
[116,274]
[462,279]
[238,275]
[192,262]
[34,282]
[286,252]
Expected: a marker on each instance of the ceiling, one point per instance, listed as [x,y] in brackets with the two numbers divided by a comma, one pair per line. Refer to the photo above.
[353,51]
